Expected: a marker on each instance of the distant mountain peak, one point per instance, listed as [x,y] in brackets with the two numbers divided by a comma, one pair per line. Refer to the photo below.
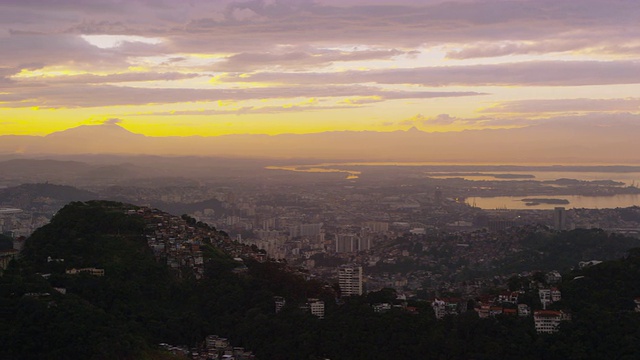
[101,130]
[414,130]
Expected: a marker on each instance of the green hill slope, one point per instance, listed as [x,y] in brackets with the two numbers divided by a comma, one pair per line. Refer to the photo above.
[140,301]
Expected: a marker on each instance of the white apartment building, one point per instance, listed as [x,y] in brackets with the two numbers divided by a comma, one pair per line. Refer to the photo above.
[350,280]
[547,321]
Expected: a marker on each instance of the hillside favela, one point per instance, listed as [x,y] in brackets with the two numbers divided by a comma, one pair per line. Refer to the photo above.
[319,179]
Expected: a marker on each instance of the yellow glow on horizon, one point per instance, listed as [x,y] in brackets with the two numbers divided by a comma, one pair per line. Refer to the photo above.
[225,103]
[20,121]
[59,71]
[308,102]
[275,115]
[145,120]
[48,72]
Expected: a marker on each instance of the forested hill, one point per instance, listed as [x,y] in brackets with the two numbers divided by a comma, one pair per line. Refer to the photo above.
[139,302]
[98,317]
[564,250]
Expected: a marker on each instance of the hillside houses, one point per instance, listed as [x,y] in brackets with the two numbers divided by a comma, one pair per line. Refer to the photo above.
[181,244]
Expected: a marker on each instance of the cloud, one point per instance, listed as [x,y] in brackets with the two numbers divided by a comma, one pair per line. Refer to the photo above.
[107,95]
[243,110]
[226,25]
[564,124]
[300,57]
[491,49]
[107,79]
[292,49]
[231,24]
[595,120]
[251,30]
[442,119]
[479,122]
[5,73]
[532,73]
[362,100]
[565,105]
[244,14]
[55,50]
[411,24]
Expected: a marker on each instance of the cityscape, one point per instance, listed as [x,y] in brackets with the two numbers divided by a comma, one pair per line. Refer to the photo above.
[319,179]
[414,236]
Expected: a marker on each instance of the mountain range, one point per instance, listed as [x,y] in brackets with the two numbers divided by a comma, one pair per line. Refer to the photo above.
[545,143]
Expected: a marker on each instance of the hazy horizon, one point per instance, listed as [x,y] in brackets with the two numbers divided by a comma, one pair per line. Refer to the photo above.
[541,144]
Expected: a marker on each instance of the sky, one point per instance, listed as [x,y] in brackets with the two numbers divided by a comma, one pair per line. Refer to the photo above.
[208,68]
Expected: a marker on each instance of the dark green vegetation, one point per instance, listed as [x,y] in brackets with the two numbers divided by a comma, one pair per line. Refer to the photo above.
[601,299]
[515,250]
[547,251]
[6,242]
[140,303]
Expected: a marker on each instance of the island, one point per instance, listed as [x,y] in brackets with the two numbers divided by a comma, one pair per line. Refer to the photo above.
[538,201]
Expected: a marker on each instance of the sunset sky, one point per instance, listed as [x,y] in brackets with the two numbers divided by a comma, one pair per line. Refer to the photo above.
[196,67]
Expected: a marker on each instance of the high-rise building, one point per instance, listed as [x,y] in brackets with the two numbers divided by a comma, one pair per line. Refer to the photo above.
[377,226]
[547,321]
[560,219]
[364,243]
[500,224]
[268,223]
[305,230]
[350,279]
[346,243]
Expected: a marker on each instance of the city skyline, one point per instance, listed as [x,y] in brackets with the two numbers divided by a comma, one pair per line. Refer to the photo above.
[162,68]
